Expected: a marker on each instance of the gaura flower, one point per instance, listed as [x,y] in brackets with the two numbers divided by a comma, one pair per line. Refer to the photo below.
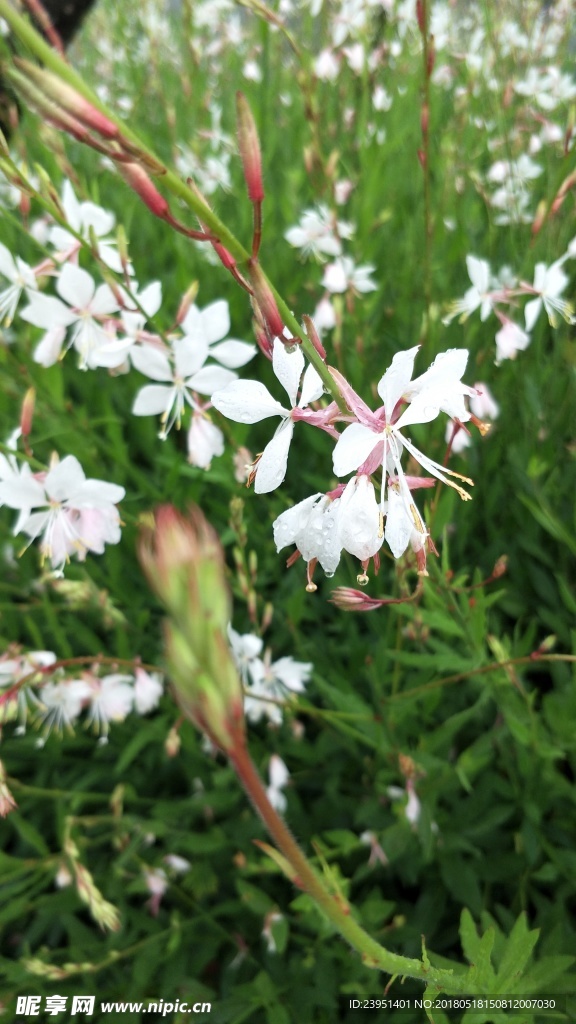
[249,401]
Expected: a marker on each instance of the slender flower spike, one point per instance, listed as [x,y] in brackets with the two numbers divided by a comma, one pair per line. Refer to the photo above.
[249,401]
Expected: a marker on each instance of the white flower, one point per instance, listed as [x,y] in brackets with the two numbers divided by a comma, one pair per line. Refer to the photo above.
[246,649]
[20,276]
[113,353]
[343,275]
[477,297]
[318,234]
[111,700]
[78,515]
[148,689]
[187,375]
[269,686]
[83,302]
[483,404]
[210,326]
[326,66]
[60,704]
[549,282]
[86,219]
[312,525]
[440,388]
[249,401]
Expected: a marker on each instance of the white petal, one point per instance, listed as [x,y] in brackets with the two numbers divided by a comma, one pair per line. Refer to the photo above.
[192,324]
[360,519]
[396,380]
[312,387]
[274,460]
[531,312]
[210,379]
[102,221]
[46,311]
[7,264]
[152,362]
[479,273]
[96,494]
[353,448]
[287,526]
[189,355]
[75,286]
[71,206]
[48,349]
[23,493]
[233,353]
[205,441]
[113,354]
[399,524]
[104,301]
[247,401]
[216,321]
[66,477]
[150,298]
[288,368]
[152,400]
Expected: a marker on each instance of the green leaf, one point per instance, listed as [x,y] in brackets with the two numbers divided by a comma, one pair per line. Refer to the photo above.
[517,952]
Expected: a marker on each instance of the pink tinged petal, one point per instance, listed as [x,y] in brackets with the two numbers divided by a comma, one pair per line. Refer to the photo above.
[312,387]
[287,526]
[510,339]
[357,405]
[353,447]
[247,401]
[76,286]
[360,519]
[216,321]
[152,363]
[64,479]
[272,465]
[210,379]
[233,353]
[7,264]
[46,311]
[189,355]
[205,441]
[531,312]
[395,382]
[22,493]
[288,367]
[104,301]
[49,348]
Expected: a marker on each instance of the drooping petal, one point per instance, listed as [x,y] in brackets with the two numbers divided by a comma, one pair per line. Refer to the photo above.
[288,367]
[360,519]
[48,349]
[273,462]
[399,524]
[247,401]
[287,526]
[353,448]
[531,312]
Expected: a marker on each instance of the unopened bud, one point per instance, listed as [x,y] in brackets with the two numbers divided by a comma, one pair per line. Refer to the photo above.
[424,119]
[265,299]
[172,743]
[313,336]
[136,177]
[69,99]
[27,413]
[186,301]
[249,147]
[184,563]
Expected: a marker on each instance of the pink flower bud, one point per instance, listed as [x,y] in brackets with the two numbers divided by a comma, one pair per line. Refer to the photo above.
[27,413]
[249,147]
[136,177]
[69,99]
[265,299]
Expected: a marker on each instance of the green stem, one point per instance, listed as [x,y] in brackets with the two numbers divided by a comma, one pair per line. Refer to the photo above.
[372,953]
[52,60]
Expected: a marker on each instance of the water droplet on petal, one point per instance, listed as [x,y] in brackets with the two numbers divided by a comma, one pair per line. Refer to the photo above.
[329,575]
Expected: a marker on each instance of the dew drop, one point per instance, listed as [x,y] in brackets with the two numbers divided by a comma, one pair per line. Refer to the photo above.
[329,575]
[362,579]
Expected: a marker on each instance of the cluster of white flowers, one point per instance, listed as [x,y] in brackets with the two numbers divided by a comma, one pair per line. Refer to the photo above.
[489,294]
[267,684]
[34,684]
